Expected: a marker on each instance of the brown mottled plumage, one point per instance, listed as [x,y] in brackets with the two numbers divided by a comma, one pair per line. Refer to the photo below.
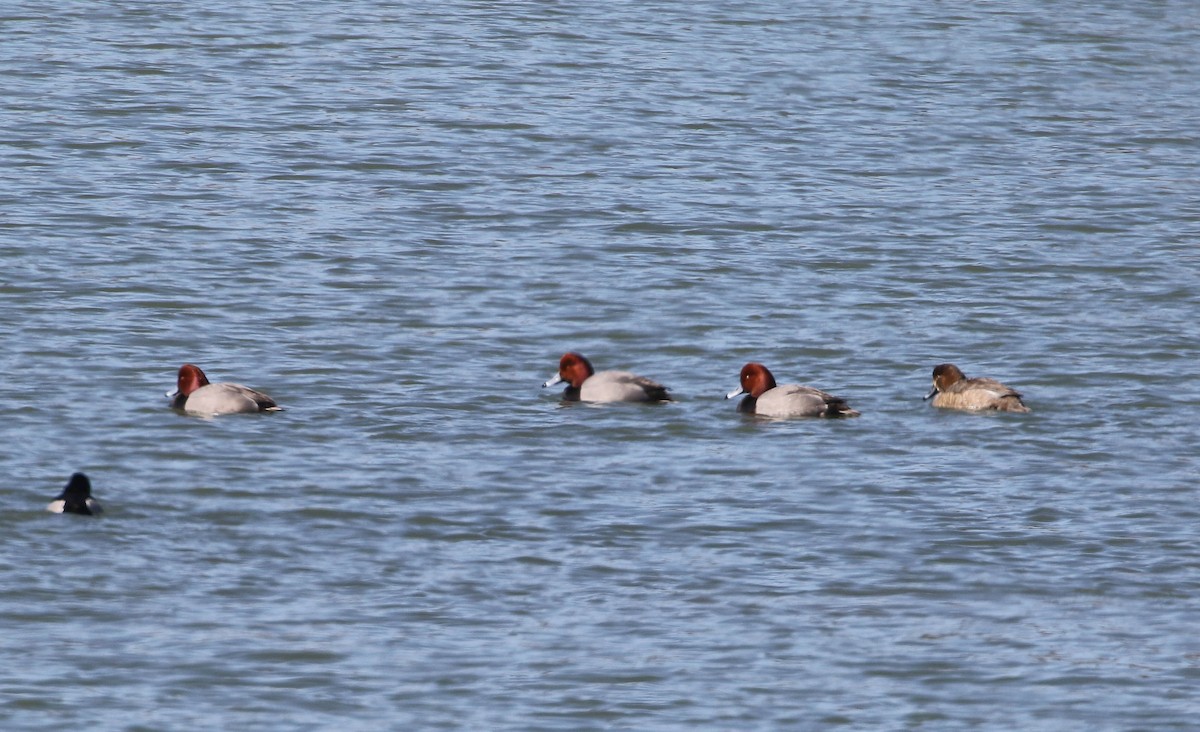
[953,390]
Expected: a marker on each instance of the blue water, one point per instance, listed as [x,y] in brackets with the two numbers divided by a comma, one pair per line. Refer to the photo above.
[395,217]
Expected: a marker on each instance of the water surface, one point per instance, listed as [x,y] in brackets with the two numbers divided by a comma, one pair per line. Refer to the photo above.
[394,218]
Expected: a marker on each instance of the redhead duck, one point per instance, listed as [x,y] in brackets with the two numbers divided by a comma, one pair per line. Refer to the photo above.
[790,400]
[953,390]
[196,395]
[585,385]
[76,497]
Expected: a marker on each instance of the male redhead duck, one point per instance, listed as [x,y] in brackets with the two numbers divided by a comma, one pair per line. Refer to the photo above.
[585,385]
[953,390]
[196,395]
[790,400]
[76,497]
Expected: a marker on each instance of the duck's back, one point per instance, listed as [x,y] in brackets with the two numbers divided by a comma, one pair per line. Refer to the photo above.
[621,386]
[794,400]
[226,398]
[980,393]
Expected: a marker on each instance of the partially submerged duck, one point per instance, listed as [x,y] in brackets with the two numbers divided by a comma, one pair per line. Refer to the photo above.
[196,395]
[585,384]
[764,397]
[953,390]
[76,497]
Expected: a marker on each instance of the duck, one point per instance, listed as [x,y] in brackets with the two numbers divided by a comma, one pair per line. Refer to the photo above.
[953,390]
[76,497]
[585,384]
[765,398]
[196,395]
